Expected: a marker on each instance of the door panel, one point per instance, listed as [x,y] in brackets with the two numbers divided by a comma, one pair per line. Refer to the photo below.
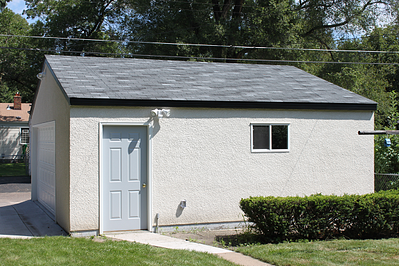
[116,204]
[134,210]
[115,165]
[134,164]
[46,166]
[124,174]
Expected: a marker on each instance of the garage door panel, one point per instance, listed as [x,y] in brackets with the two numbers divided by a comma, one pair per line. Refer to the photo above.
[46,166]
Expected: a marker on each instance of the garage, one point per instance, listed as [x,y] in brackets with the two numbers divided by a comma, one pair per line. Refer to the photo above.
[210,141]
[46,166]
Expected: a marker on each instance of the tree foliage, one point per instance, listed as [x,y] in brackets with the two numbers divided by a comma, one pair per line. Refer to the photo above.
[3,3]
[308,23]
[224,25]
[372,81]
[92,19]
[16,68]
[386,159]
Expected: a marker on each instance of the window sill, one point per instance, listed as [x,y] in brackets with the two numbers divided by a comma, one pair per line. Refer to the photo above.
[270,151]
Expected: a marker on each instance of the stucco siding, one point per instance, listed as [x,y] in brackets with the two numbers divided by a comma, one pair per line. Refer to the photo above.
[51,106]
[85,185]
[204,156]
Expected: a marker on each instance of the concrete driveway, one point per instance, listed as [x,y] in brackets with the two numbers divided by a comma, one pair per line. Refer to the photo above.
[19,216]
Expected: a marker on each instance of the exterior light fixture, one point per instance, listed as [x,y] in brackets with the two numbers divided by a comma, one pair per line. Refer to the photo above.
[183,204]
[159,113]
[41,75]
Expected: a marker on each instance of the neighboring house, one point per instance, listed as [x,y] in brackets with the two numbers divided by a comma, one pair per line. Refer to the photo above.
[126,144]
[14,129]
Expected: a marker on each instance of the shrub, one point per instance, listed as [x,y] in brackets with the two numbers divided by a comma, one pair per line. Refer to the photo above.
[321,217]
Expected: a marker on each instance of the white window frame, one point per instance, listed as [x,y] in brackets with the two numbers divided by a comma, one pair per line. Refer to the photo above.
[270,150]
[20,135]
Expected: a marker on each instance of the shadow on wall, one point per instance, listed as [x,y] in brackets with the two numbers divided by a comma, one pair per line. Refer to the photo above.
[9,141]
[180,208]
[179,211]
[155,126]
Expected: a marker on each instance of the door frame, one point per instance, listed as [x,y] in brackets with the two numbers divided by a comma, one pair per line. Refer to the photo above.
[34,146]
[148,126]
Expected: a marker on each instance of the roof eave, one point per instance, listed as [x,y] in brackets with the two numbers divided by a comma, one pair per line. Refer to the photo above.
[223,104]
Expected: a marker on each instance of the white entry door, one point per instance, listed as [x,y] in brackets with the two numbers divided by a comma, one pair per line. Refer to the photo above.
[124,178]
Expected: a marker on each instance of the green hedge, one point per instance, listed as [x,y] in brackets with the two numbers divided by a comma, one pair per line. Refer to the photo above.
[320,217]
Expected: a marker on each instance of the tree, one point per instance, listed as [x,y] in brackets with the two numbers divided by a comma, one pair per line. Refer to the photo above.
[372,81]
[308,23]
[387,158]
[16,71]
[91,19]
[3,4]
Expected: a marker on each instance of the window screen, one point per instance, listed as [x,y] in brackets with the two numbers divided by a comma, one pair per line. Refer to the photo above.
[24,135]
[269,137]
[261,137]
[279,137]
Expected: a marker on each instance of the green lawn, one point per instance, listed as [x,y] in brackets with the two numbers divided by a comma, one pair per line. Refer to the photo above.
[337,252]
[86,251]
[99,251]
[12,169]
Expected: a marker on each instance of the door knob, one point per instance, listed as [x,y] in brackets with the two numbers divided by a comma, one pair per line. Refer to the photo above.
[144,185]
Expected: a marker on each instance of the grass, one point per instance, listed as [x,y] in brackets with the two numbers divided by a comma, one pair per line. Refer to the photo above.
[91,251]
[12,169]
[336,252]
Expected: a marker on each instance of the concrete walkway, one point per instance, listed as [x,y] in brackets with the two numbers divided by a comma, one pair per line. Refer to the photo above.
[22,218]
[157,240]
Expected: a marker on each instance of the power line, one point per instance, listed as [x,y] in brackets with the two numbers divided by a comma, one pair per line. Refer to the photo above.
[204,45]
[160,5]
[195,57]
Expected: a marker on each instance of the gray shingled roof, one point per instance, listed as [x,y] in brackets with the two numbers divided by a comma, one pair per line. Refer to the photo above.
[122,81]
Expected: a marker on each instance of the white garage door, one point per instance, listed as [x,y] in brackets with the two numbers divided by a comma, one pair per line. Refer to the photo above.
[46,166]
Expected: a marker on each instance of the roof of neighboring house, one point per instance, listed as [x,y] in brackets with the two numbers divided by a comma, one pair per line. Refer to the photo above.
[11,115]
[144,82]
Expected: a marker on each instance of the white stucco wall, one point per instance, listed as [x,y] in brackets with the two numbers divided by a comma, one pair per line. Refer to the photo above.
[204,156]
[51,106]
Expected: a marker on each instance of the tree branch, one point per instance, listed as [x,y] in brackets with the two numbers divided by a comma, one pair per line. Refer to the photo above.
[226,8]
[326,45]
[101,18]
[325,27]
[216,10]
[346,21]
[23,84]
[237,8]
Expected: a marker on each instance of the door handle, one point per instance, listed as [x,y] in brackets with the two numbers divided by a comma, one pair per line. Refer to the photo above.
[144,185]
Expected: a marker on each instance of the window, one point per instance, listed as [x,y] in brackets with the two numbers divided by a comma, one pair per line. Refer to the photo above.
[24,135]
[269,137]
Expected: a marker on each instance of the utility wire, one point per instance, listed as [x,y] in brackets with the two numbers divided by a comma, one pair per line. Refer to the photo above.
[204,45]
[195,57]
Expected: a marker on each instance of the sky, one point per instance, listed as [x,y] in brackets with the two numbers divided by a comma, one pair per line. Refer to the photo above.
[17,6]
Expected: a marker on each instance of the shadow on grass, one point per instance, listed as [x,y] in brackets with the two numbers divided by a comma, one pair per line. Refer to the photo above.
[12,169]
[241,239]
[15,179]
[251,238]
